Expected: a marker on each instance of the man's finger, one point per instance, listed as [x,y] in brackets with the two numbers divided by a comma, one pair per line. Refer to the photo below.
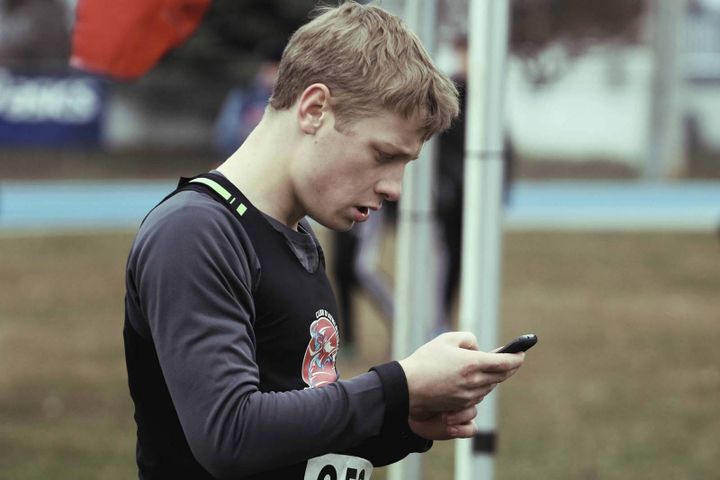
[500,362]
[483,379]
[460,417]
[466,340]
[466,430]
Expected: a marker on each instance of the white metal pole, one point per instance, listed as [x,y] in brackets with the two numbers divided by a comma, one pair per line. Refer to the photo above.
[665,151]
[482,237]
[416,293]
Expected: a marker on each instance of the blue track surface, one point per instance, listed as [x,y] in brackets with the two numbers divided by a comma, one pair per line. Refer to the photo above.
[691,206]
[622,206]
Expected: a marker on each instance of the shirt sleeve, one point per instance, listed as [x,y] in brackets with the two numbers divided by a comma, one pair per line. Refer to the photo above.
[396,439]
[193,267]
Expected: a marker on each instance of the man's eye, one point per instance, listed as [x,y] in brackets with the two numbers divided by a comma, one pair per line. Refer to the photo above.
[385,156]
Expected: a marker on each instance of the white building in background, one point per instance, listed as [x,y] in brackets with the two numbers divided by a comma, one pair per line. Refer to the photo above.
[599,107]
[596,109]
[702,73]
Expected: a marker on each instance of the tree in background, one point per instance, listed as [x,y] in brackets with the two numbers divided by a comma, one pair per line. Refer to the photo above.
[225,43]
[228,42]
[573,26]
[33,33]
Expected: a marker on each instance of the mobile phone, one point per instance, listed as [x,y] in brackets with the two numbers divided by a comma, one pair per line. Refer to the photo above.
[520,344]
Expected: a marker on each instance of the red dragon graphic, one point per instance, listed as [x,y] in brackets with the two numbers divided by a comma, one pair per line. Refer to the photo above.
[318,368]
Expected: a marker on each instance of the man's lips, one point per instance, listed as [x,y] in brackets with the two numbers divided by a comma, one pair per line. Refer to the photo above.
[362,212]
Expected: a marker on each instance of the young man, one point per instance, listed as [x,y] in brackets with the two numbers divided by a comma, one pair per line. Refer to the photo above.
[230,333]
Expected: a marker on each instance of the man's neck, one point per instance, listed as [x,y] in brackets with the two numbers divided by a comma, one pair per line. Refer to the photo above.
[259,168]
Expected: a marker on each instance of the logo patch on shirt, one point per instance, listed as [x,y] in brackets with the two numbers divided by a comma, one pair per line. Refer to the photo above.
[318,367]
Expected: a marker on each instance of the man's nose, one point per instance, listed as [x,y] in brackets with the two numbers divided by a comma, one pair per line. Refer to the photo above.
[390,187]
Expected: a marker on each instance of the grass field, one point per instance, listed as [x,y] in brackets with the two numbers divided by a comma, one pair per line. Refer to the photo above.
[624,384]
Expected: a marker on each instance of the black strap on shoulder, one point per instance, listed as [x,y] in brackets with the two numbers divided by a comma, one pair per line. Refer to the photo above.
[221,188]
[218,185]
[229,195]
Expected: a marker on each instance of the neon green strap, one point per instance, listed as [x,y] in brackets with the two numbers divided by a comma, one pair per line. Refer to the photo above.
[220,190]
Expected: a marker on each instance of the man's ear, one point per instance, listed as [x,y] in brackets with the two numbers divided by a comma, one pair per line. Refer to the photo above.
[313,107]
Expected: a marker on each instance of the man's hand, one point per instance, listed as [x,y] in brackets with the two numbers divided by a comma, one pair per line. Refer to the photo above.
[448,374]
[443,426]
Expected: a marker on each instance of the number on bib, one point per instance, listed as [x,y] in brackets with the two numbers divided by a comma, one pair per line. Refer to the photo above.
[333,466]
[327,473]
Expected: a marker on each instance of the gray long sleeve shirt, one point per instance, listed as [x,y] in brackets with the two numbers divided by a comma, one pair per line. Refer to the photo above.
[192,295]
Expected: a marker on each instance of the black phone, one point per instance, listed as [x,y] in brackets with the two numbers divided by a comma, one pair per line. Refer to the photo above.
[520,344]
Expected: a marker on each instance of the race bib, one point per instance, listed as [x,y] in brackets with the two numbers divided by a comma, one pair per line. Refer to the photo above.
[338,467]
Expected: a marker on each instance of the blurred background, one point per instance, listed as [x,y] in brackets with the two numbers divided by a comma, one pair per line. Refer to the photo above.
[611,251]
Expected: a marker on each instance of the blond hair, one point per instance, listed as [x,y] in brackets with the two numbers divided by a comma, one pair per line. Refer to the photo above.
[370,62]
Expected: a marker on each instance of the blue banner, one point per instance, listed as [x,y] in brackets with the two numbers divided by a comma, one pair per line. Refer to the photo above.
[50,110]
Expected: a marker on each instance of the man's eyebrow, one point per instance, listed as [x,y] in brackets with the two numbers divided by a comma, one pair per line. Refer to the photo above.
[396,151]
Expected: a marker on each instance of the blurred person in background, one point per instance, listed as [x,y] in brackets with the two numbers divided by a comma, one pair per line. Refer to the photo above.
[230,336]
[450,191]
[243,108]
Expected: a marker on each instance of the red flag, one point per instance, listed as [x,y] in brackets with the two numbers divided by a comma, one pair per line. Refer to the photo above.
[125,38]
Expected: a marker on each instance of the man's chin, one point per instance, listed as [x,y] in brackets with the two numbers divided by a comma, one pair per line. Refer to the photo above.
[346,227]
[339,226]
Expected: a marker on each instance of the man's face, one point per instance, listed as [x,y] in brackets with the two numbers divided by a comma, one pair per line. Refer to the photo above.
[343,176]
